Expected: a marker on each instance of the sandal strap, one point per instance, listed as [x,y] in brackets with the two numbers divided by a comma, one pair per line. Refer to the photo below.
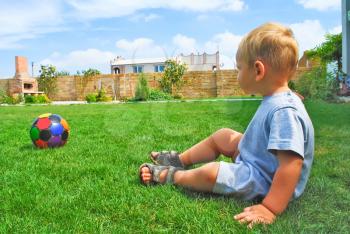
[169,158]
[170,175]
[156,170]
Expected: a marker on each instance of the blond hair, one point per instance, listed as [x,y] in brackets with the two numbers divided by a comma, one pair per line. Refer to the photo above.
[273,44]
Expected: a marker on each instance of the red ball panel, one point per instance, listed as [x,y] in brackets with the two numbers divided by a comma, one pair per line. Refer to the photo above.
[41,144]
[43,123]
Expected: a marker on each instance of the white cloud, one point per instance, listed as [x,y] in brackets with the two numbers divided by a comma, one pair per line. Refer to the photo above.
[145,18]
[202,17]
[184,44]
[116,8]
[140,48]
[336,30]
[81,60]
[30,19]
[227,43]
[205,5]
[321,5]
[19,22]
[309,34]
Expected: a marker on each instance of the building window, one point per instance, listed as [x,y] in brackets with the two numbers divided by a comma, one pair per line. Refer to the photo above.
[27,86]
[158,68]
[137,69]
[117,70]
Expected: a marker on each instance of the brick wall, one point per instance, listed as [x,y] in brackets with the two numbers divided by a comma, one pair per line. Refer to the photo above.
[196,85]
[4,84]
[202,84]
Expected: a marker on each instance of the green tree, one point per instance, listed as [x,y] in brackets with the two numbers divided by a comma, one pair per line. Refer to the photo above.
[47,80]
[62,73]
[90,72]
[172,77]
[329,51]
[142,89]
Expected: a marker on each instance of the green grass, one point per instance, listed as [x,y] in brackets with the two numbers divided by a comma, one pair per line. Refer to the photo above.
[91,184]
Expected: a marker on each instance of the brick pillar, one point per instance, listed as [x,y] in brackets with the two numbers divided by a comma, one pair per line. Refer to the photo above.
[21,67]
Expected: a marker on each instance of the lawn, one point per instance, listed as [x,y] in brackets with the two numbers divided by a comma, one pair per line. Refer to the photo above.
[91,184]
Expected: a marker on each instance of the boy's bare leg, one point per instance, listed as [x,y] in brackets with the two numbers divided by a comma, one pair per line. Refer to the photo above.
[201,179]
[224,141]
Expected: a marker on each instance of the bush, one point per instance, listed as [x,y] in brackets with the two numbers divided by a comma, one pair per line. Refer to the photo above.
[178,96]
[12,100]
[90,72]
[2,95]
[42,98]
[47,80]
[102,96]
[317,84]
[98,97]
[91,97]
[156,95]
[29,99]
[172,76]
[142,89]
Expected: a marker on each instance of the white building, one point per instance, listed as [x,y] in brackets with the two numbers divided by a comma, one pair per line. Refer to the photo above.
[199,62]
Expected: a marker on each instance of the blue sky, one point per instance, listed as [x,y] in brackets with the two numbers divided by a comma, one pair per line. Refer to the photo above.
[80,34]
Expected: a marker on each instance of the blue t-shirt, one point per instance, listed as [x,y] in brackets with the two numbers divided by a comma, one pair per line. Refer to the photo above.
[280,123]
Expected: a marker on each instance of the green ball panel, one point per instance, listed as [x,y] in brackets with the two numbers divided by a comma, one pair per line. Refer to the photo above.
[34,133]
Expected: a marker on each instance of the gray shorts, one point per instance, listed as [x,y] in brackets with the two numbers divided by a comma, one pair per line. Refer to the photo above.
[240,180]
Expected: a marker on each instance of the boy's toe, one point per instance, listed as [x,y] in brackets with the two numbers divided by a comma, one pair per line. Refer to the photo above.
[145,170]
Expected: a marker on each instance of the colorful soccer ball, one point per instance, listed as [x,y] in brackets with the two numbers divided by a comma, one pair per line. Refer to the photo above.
[49,130]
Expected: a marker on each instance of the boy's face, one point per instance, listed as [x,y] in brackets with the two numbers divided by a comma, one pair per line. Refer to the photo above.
[246,77]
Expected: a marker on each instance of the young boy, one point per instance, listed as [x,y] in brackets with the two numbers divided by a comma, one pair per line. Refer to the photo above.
[273,158]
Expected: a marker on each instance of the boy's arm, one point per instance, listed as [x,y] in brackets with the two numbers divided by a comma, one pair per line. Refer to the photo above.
[284,181]
[281,190]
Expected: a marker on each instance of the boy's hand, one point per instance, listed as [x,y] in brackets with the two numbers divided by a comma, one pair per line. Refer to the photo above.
[255,214]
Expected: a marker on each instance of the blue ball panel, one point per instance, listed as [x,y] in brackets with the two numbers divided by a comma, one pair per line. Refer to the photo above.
[56,129]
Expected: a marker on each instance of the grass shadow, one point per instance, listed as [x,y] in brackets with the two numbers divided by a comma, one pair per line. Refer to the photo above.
[28,147]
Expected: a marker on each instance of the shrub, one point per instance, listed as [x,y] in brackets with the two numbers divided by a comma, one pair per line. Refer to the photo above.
[102,96]
[125,99]
[90,72]
[42,98]
[317,84]
[172,76]
[91,97]
[178,96]
[12,100]
[142,89]
[157,95]
[29,99]
[2,95]
[47,80]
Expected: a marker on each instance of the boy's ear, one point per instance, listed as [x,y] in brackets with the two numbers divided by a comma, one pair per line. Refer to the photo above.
[260,70]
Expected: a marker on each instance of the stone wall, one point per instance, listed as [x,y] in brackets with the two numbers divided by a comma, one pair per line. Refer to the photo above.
[120,86]
[4,85]
[222,83]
